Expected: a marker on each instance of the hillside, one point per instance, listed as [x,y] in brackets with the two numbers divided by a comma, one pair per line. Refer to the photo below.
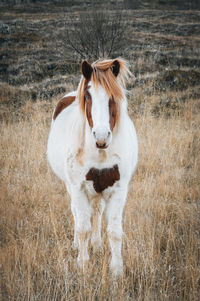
[163,48]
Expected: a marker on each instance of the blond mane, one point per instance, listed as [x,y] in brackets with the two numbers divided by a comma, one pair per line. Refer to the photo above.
[102,75]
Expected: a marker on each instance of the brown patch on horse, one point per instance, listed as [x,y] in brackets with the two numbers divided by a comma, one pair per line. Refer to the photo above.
[88,102]
[79,156]
[103,178]
[81,150]
[113,113]
[88,112]
[62,104]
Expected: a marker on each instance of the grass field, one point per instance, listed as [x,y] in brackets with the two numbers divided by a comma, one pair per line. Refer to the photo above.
[161,217]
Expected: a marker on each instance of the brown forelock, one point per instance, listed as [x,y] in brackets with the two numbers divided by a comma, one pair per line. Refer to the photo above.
[109,83]
[103,178]
[62,104]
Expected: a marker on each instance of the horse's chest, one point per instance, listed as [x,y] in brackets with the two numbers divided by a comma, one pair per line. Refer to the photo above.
[103,178]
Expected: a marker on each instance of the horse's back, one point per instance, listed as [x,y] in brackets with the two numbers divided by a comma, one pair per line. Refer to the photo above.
[65,102]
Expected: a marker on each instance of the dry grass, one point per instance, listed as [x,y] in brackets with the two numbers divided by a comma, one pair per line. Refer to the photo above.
[161,218]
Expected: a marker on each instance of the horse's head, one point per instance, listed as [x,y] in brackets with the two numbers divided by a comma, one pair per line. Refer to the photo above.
[100,93]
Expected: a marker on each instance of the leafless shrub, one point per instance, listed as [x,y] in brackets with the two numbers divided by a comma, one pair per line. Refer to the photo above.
[95,34]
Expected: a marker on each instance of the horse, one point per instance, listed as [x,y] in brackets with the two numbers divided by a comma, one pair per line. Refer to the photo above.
[92,147]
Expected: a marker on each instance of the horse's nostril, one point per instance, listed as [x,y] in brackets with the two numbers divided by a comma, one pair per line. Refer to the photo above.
[94,134]
[100,145]
[109,133]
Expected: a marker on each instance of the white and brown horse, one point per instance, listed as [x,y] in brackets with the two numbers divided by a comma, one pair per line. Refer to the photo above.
[93,148]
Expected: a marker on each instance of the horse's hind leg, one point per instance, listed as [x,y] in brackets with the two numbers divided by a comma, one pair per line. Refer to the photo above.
[98,207]
[82,231]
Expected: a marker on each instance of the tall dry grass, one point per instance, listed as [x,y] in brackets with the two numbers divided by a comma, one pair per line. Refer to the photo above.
[161,218]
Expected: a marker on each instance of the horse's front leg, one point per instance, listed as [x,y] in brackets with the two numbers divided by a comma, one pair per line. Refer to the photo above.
[114,213]
[82,211]
[96,240]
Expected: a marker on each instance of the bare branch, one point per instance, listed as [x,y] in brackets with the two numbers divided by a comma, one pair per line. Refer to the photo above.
[95,34]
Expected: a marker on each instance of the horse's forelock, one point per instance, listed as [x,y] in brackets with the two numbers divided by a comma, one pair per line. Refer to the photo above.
[103,75]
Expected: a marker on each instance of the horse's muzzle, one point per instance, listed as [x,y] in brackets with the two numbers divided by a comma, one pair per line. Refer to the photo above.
[101,145]
[102,136]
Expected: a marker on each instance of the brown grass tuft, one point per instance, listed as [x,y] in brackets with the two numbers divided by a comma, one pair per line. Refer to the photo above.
[161,218]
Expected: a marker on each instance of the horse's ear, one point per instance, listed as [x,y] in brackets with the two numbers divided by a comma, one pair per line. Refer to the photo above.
[115,67]
[86,69]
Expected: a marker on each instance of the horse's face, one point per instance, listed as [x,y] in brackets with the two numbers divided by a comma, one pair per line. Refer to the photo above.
[101,111]
[101,115]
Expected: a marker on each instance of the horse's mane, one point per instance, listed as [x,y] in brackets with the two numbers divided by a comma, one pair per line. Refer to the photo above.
[102,75]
